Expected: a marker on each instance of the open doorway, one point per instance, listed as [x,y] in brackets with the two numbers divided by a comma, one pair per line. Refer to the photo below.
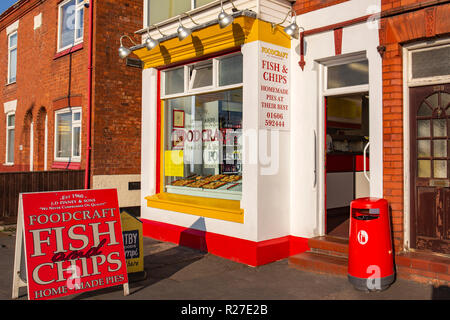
[347,158]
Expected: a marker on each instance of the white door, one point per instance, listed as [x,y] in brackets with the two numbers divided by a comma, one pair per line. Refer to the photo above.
[305,153]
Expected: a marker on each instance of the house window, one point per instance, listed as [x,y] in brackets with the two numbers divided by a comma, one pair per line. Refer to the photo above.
[162,10]
[430,63]
[10,129]
[203,108]
[12,57]
[68,135]
[70,28]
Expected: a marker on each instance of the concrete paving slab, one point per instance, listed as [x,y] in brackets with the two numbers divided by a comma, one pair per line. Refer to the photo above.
[180,273]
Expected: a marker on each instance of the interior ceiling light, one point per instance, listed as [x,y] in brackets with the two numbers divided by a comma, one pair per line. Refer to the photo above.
[124,51]
[224,18]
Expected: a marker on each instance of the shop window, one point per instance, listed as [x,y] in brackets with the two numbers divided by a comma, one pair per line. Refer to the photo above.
[230,70]
[12,57]
[68,135]
[162,10]
[201,75]
[202,153]
[174,81]
[10,130]
[430,62]
[348,75]
[70,27]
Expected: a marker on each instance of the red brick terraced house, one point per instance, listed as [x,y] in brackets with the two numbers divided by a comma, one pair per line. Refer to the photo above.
[68,102]
[408,102]
[415,45]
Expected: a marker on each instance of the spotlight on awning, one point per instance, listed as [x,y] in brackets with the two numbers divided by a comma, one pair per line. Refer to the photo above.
[124,51]
[183,32]
[224,18]
[150,43]
[292,29]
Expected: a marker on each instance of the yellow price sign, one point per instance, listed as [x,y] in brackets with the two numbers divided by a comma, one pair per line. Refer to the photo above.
[174,163]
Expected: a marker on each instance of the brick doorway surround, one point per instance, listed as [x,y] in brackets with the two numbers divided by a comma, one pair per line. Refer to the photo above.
[397,30]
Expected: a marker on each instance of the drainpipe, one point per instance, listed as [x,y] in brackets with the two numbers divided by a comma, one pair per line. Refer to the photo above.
[89,115]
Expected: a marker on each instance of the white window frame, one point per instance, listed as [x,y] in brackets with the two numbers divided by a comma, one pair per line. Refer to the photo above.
[8,130]
[194,9]
[426,80]
[10,49]
[188,90]
[78,7]
[347,59]
[75,124]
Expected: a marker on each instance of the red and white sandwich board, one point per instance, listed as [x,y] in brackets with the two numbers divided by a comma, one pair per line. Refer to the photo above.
[73,243]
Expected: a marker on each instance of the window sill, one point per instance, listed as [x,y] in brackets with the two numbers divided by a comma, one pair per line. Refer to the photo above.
[8,164]
[66,165]
[228,210]
[67,51]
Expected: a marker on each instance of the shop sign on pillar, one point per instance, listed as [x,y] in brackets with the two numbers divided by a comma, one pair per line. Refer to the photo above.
[72,243]
[273,101]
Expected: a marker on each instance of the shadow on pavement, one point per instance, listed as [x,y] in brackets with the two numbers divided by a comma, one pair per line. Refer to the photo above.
[163,264]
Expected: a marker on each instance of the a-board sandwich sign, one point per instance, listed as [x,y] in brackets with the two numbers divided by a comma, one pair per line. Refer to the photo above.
[73,243]
[133,243]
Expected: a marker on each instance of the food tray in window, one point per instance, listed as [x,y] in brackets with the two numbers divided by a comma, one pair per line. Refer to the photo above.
[214,178]
[197,184]
[182,182]
[231,178]
[214,185]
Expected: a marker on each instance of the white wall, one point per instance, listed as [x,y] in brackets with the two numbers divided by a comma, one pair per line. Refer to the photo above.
[126,197]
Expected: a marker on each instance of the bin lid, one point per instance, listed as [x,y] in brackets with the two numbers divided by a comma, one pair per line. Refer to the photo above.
[369,203]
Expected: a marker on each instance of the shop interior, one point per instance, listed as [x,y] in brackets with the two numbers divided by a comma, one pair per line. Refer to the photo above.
[347,135]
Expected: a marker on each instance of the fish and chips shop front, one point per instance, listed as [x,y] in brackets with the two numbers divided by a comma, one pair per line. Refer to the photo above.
[227,149]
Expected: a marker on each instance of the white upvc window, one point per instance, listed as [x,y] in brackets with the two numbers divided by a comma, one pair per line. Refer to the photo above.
[68,135]
[346,74]
[158,11]
[220,73]
[12,57]
[10,130]
[70,23]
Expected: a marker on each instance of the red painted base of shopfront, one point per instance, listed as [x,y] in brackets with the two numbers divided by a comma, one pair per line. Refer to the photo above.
[240,250]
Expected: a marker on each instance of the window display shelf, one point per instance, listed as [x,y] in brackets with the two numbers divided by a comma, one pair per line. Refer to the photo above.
[230,191]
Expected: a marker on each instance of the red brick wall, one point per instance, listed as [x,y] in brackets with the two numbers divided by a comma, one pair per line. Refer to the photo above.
[395,31]
[402,5]
[304,6]
[117,91]
[40,80]
[43,83]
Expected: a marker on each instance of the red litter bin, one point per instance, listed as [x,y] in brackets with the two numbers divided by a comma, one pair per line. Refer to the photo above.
[370,254]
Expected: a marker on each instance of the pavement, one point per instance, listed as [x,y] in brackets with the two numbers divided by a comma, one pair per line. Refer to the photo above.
[181,273]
